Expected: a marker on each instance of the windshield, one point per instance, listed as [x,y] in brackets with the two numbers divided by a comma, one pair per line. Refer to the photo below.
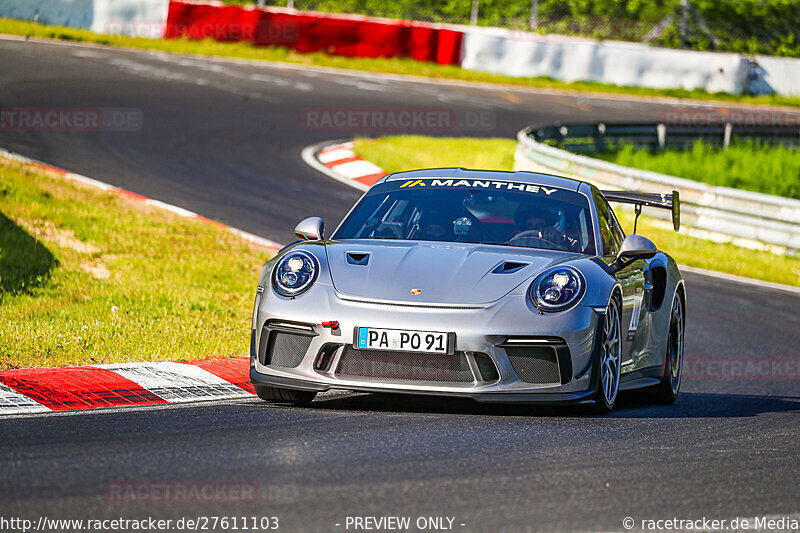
[473,211]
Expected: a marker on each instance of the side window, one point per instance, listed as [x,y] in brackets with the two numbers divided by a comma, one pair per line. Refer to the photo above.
[605,216]
[616,232]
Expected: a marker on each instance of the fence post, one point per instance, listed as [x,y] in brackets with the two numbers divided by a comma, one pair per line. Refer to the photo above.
[534,21]
[726,139]
[600,138]
[473,16]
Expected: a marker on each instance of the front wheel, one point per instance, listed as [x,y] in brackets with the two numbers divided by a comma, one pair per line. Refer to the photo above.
[290,396]
[609,360]
[667,390]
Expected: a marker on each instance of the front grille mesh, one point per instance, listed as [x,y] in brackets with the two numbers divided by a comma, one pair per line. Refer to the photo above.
[535,364]
[286,350]
[403,366]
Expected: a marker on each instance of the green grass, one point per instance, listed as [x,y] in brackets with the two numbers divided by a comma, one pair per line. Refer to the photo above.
[407,152]
[391,66]
[753,167]
[89,277]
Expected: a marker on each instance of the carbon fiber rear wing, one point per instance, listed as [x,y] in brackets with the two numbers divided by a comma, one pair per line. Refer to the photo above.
[649,199]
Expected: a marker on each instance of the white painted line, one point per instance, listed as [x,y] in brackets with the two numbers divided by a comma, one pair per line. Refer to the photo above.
[357,169]
[130,408]
[309,156]
[14,403]
[172,208]
[178,382]
[740,279]
[89,181]
[16,157]
[335,155]
[250,237]
[341,146]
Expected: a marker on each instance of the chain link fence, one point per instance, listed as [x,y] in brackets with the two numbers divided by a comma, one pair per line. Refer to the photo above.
[770,27]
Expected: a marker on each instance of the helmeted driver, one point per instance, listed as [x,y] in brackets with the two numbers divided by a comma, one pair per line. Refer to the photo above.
[435,226]
[535,224]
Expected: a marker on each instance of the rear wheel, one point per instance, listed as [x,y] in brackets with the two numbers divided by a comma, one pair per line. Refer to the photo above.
[290,396]
[609,360]
[667,391]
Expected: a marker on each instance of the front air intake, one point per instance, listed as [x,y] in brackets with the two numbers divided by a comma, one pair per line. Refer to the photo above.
[284,350]
[486,367]
[535,364]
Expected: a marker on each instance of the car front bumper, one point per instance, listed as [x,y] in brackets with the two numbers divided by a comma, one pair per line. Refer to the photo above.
[533,357]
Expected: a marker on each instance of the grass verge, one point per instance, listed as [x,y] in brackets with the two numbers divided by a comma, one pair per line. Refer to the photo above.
[409,67]
[89,277]
[405,152]
[750,166]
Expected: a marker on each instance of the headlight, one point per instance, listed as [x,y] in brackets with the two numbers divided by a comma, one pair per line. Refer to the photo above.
[557,289]
[295,273]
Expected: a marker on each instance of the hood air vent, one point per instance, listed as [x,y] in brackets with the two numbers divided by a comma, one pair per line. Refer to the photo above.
[509,267]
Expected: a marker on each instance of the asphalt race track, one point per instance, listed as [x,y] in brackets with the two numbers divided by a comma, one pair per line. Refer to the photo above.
[224,139]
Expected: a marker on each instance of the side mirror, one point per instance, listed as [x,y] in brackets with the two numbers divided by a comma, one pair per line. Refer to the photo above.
[310,229]
[634,247]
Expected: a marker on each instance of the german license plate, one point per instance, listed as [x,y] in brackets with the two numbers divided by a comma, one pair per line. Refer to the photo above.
[402,340]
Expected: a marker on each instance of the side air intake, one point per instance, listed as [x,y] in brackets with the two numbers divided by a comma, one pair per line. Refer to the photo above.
[357,258]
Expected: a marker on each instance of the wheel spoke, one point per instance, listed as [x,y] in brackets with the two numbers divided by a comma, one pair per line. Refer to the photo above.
[612,351]
[611,355]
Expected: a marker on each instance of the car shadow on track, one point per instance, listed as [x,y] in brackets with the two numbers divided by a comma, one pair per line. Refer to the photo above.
[631,405]
[706,405]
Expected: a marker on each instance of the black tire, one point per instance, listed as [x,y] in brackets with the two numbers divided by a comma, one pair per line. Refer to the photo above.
[667,391]
[605,398]
[290,396]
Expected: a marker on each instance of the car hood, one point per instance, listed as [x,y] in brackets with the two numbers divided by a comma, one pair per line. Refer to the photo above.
[436,272]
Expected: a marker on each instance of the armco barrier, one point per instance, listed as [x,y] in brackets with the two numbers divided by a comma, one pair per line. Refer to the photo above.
[75,13]
[639,65]
[137,18]
[348,35]
[749,219]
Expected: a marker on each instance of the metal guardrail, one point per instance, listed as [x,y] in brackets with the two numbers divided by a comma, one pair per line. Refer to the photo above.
[598,137]
[748,219]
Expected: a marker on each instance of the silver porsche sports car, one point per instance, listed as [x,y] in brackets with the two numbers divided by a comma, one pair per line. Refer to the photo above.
[497,286]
